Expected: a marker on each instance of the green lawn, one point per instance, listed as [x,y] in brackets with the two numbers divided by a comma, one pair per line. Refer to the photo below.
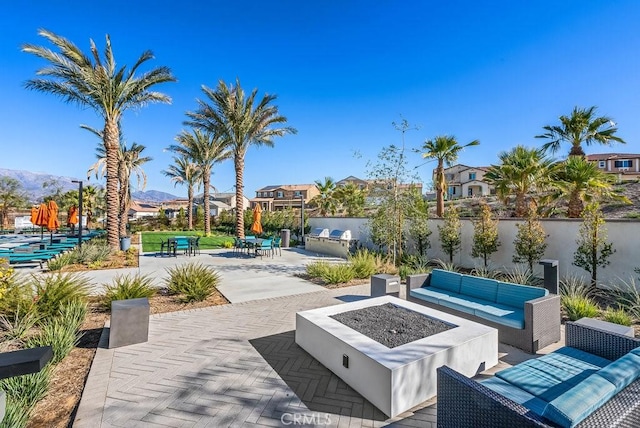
[151,240]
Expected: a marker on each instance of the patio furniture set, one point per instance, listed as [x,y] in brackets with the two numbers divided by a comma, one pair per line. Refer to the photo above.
[593,381]
[259,246]
[29,250]
[188,245]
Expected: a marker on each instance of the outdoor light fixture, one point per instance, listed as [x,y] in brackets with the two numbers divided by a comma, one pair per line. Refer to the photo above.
[79,211]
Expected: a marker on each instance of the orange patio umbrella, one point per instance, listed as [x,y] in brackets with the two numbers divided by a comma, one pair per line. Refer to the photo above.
[34,215]
[42,218]
[72,216]
[53,223]
[256,227]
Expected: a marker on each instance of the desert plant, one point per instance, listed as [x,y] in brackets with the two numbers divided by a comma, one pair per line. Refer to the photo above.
[486,272]
[578,307]
[92,252]
[520,275]
[617,316]
[627,295]
[450,266]
[16,415]
[55,291]
[17,298]
[18,327]
[126,287]
[61,261]
[317,269]
[338,274]
[364,263]
[485,235]
[28,389]
[61,332]
[192,281]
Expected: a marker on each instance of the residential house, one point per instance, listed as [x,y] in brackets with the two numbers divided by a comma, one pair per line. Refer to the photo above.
[625,166]
[282,196]
[139,210]
[466,181]
[374,186]
[220,202]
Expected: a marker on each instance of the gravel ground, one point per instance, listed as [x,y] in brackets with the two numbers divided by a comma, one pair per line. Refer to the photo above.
[391,325]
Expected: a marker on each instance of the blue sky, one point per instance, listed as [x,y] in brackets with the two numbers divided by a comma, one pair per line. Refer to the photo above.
[496,71]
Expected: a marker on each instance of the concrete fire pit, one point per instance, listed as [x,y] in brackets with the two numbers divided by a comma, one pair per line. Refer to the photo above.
[395,379]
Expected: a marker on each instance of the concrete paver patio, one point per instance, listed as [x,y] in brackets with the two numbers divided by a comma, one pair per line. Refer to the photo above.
[236,364]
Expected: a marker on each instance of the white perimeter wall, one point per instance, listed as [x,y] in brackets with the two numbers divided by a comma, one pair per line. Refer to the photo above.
[561,244]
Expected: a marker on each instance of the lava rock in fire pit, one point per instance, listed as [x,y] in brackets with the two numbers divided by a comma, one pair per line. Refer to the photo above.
[392,325]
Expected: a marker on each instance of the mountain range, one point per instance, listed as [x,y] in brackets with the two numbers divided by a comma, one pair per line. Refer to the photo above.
[32,184]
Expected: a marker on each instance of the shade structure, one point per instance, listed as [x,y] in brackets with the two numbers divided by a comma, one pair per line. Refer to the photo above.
[72,216]
[42,217]
[53,223]
[256,227]
[34,215]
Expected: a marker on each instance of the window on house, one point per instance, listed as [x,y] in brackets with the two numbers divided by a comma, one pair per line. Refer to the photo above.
[270,194]
[472,176]
[623,164]
[297,194]
[449,177]
[602,164]
[452,190]
[280,194]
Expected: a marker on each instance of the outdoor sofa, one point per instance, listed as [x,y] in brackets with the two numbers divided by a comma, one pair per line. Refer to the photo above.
[594,381]
[526,317]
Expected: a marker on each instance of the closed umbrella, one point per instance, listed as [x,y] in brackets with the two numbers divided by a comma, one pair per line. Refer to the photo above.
[53,223]
[72,218]
[256,227]
[42,218]
[34,215]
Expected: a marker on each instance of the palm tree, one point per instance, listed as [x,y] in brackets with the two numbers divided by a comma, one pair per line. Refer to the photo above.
[185,171]
[445,149]
[351,198]
[92,202]
[240,123]
[129,162]
[522,171]
[95,82]
[204,149]
[325,200]
[581,127]
[578,181]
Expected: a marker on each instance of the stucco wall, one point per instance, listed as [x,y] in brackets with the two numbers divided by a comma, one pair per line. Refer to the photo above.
[561,244]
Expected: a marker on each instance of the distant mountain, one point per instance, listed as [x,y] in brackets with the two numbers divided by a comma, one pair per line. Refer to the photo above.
[153,196]
[32,182]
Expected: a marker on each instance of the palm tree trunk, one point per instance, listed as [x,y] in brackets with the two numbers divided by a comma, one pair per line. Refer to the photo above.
[575,205]
[440,184]
[521,205]
[576,150]
[111,145]
[123,204]
[190,207]
[206,182]
[239,166]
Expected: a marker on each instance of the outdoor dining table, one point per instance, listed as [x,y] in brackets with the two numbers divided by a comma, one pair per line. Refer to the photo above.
[171,245]
[252,243]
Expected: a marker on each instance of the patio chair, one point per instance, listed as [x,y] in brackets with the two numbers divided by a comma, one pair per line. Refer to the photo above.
[238,245]
[277,245]
[265,246]
[195,246]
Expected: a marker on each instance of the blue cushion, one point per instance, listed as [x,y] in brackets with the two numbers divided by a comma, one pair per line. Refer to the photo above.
[516,394]
[515,295]
[578,358]
[635,351]
[539,379]
[429,294]
[446,280]
[570,408]
[482,288]
[622,371]
[459,302]
[502,314]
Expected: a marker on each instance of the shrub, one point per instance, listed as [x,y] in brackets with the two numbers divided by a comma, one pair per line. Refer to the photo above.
[486,272]
[578,307]
[617,316]
[95,251]
[521,276]
[192,281]
[56,291]
[575,286]
[450,266]
[627,295]
[27,390]
[61,332]
[317,269]
[16,416]
[19,326]
[17,298]
[338,274]
[364,263]
[61,261]
[227,244]
[128,287]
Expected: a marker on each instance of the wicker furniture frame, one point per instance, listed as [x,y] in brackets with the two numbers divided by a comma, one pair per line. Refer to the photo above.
[541,318]
[465,403]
